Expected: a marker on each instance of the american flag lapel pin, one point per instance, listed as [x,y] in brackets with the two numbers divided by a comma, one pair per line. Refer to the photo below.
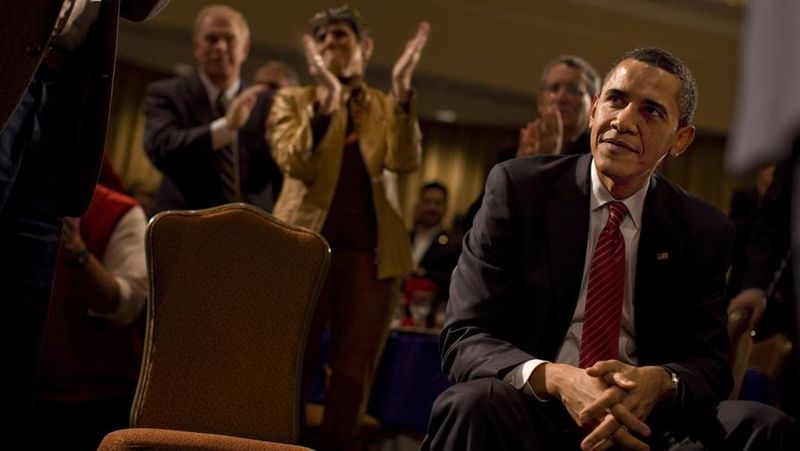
[662,256]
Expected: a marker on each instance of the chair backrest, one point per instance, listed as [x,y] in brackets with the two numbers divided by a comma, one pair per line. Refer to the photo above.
[769,357]
[741,347]
[232,293]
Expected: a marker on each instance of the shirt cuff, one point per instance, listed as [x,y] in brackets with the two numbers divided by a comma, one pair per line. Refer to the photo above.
[518,377]
[130,305]
[221,135]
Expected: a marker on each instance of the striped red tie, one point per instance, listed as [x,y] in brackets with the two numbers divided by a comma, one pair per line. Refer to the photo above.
[600,339]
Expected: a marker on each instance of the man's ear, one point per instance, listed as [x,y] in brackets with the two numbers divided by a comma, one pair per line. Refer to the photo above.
[367,45]
[592,110]
[196,48]
[246,50]
[682,141]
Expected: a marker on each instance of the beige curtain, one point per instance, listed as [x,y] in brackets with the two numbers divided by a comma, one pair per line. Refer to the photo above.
[700,170]
[459,157]
[126,127]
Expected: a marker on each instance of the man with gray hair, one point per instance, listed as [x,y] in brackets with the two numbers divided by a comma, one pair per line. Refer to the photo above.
[205,132]
[564,96]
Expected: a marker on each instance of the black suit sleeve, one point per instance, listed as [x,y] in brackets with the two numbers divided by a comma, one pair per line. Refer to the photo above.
[178,146]
[475,341]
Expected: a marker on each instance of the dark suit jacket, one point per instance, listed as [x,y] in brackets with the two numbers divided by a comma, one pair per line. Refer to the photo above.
[517,282]
[90,69]
[439,260]
[177,138]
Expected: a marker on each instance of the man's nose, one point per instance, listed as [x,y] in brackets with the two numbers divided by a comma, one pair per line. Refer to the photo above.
[625,120]
[221,44]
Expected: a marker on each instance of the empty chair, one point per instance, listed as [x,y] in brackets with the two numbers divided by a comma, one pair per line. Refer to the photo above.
[232,292]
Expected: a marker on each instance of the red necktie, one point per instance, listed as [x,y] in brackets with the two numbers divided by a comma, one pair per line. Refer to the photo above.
[600,339]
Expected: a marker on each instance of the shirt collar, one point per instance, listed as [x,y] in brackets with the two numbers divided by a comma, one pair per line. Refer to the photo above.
[213,91]
[600,196]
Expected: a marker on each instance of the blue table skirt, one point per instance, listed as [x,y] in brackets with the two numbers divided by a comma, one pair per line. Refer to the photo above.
[408,380]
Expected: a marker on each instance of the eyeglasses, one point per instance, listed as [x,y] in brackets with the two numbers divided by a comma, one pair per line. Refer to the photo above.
[571,89]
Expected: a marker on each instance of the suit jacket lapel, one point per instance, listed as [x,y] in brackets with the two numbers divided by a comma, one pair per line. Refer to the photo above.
[567,224]
[197,97]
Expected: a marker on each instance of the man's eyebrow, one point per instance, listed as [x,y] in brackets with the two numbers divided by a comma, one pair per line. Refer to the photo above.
[616,92]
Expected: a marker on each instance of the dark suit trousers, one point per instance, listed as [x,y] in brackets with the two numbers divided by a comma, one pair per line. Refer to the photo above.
[32,156]
[488,413]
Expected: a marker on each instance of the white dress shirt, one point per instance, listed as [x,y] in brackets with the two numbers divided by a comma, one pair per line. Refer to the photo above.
[125,259]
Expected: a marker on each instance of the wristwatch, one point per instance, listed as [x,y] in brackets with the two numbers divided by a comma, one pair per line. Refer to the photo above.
[677,392]
[78,259]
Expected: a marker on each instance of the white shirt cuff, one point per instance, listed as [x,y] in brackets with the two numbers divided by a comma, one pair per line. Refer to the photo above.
[518,377]
[221,135]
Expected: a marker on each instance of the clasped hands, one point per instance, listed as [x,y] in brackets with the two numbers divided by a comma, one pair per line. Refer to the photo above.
[609,400]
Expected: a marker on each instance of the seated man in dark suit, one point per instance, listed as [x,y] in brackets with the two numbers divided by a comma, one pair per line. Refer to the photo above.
[587,309]
[206,132]
[434,250]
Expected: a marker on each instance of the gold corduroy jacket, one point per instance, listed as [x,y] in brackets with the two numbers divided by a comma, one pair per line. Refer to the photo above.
[389,138]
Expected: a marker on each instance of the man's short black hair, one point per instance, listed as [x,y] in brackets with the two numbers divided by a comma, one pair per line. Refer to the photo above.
[344,13]
[660,58]
[434,185]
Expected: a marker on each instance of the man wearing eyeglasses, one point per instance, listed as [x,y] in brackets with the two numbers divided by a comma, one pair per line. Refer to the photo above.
[565,94]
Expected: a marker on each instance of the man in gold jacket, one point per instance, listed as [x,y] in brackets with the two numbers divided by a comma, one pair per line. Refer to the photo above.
[333,142]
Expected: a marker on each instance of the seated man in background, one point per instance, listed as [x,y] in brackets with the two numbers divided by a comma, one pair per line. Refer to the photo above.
[94,333]
[434,251]
[205,132]
[587,309]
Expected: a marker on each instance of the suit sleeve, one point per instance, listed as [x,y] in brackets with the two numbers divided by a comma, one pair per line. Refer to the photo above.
[178,149]
[403,137]
[475,341]
[292,137]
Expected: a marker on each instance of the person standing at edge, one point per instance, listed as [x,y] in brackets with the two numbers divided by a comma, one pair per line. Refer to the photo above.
[56,74]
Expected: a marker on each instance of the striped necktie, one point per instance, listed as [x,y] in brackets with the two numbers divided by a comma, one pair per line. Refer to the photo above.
[603,312]
[227,159]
